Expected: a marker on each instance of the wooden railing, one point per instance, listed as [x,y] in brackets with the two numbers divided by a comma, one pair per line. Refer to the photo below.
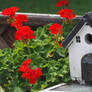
[39,19]
[7,32]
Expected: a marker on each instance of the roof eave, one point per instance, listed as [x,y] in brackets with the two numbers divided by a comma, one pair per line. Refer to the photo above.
[75,30]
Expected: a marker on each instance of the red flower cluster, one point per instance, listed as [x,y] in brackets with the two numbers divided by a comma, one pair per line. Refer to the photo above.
[63,2]
[19,19]
[10,11]
[67,13]
[29,73]
[24,33]
[60,44]
[56,28]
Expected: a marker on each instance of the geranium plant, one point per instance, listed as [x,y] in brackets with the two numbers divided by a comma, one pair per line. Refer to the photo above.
[23,33]
[43,46]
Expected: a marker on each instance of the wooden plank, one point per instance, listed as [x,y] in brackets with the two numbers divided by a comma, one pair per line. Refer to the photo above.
[3,43]
[3,28]
[38,19]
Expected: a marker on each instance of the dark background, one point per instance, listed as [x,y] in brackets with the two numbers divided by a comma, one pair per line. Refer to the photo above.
[46,6]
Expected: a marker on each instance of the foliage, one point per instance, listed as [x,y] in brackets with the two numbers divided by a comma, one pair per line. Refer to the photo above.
[67,28]
[53,62]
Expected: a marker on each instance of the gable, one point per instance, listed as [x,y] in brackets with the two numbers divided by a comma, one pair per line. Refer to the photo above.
[75,30]
[87,18]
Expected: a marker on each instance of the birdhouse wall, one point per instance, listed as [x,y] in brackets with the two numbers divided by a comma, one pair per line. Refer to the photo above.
[77,50]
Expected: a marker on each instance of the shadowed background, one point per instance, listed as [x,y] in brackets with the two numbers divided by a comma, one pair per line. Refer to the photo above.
[46,6]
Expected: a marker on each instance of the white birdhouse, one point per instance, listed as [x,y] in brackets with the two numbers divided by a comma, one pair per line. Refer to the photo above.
[79,43]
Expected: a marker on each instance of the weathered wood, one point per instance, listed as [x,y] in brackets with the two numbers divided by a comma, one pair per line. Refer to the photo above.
[9,35]
[3,43]
[2,28]
[38,19]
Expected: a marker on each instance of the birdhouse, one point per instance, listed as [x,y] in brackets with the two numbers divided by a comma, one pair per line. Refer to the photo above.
[79,43]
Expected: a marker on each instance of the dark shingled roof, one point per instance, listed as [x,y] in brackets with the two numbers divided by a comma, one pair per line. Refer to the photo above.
[87,18]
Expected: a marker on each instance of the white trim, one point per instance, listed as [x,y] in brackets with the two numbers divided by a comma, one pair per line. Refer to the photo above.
[48,89]
[56,91]
[69,44]
[37,14]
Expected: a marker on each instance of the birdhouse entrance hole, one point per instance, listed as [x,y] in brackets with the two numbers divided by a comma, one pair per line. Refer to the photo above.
[88,38]
[86,65]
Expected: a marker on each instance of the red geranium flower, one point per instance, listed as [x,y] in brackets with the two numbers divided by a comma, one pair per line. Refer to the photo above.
[32,77]
[27,62]
[67,13]
[10,11]
[29,73]
[63,2]
[19,19]
[56,28]
[60,44]
[24,68]
[38,73]
[25,33]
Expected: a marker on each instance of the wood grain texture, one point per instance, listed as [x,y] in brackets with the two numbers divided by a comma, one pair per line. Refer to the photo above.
[3,43]
[38,19]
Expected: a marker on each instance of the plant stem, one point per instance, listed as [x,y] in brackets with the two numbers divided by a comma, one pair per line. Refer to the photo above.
[28,89]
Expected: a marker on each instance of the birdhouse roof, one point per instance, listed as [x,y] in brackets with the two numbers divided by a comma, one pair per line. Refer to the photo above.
[86,19]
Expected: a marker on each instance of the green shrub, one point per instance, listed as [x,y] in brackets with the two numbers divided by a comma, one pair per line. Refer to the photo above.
[53,62]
